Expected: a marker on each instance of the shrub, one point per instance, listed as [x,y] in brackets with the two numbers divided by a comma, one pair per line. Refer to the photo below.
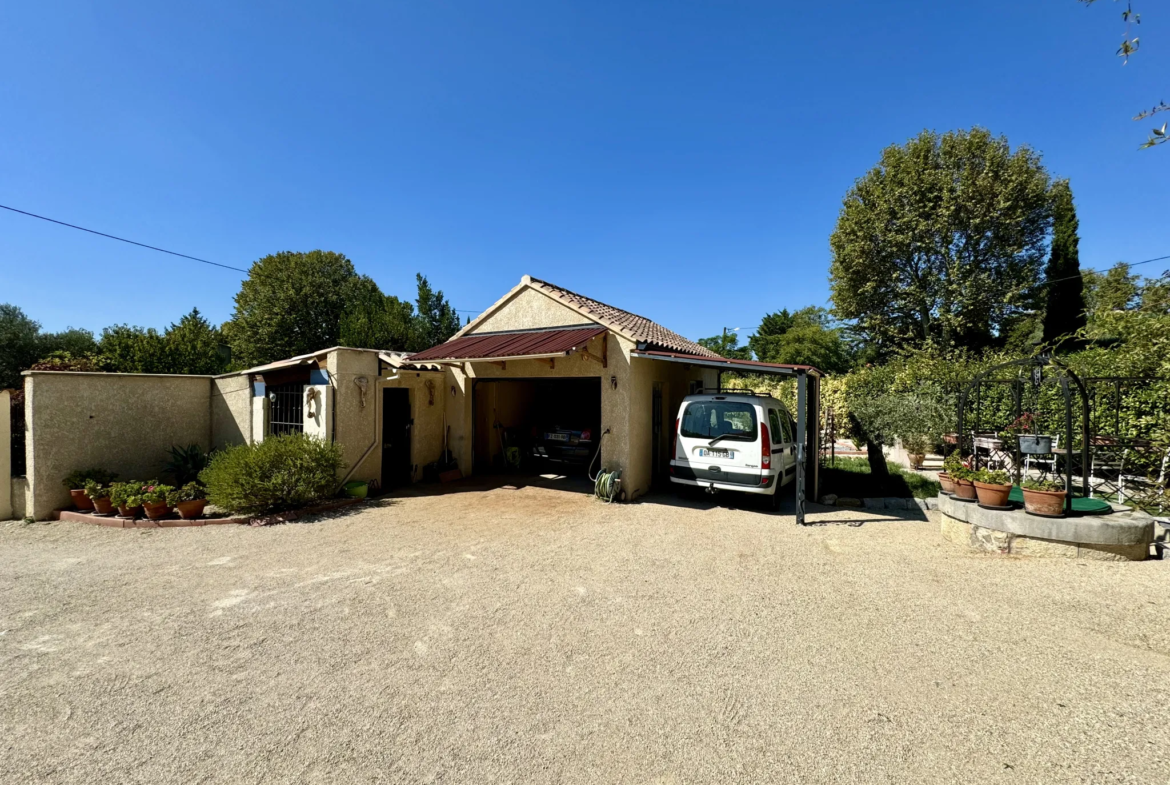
[77,479]
[279,473]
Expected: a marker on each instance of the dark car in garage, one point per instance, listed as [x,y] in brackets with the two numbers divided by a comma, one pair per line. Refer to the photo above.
[560,444]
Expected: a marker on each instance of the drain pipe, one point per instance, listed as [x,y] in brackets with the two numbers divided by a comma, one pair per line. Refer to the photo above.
[377,431]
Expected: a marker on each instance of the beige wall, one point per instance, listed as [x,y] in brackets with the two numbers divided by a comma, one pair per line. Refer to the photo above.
[121,422]
[5,455]
[355,424]
[231,411]
[527,309]
[426,436]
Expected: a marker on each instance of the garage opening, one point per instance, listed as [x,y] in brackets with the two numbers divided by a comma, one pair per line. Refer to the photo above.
[536,426]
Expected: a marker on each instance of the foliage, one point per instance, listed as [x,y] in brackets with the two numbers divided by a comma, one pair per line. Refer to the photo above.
[1064,311]
[97,490]
[195,346]
[806,337]
[1025,423]
[186,463]
[991,477]
[373,320]
[1042,485]
[886,413]
[953,463]
[1117,289]
[65,361]
[127,349]
[18,344]
[853,477]
[127,494]
[435,320]
[278,473]
[155,493]
[72,340]
[726,345]
[1129,46]
[942,241]
[290,304]
[77,479]
[189,492]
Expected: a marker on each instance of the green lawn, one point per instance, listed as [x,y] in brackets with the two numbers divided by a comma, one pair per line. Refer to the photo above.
[851,477]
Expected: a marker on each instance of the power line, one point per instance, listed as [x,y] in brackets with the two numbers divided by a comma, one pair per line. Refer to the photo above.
[123,239]
[1082,275]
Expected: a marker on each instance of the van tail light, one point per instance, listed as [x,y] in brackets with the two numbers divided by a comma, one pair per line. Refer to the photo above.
[765,447]
[674,441]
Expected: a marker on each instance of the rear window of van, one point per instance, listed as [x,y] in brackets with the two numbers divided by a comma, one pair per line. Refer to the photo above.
[708,419]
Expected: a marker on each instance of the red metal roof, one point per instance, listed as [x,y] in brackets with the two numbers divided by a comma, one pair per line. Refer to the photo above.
[747,366]
[502,346]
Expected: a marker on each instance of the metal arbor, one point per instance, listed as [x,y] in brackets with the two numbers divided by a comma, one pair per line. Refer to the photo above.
[1001,392]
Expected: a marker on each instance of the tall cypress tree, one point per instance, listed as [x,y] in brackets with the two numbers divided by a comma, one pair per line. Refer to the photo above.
[1064,313]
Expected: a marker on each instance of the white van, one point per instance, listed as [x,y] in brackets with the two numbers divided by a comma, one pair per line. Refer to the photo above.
[734,441]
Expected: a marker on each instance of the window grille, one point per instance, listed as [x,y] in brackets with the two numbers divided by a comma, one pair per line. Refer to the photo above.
[287,409]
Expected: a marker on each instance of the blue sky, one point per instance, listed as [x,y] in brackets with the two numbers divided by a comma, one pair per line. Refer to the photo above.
[683,160]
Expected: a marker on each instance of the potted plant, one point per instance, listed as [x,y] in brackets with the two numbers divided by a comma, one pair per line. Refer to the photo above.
[127,497]
[154,500]
[993,488]
[951,463]
[964,483]
[99,495]
[1044,497]
[916,449]
[75,482]
[188,500]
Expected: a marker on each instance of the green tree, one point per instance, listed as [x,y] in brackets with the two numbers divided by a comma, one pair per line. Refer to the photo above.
[19,344]
[290,304]
[72,340]
[195,346]
[942,241]
[1064,311]
[806,337]
[435,320]
[1117,289]
[373,320]
[1155,296]
[726,345]
[126,349]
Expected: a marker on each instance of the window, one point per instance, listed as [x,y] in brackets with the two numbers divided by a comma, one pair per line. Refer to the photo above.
[708,419]
[778,436]
[286,412]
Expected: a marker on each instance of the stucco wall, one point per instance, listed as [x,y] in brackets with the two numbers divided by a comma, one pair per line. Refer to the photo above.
[675,380]
[121,422]
[5,455]
[426,436]
[231,411]
[528,309]
[354,424]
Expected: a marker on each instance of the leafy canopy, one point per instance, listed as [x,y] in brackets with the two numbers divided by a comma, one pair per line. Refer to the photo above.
[942,241]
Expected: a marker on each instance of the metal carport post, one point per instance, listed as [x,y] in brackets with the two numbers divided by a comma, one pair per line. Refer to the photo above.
[807,440]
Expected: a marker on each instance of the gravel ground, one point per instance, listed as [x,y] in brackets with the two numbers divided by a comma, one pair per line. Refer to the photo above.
[533,636]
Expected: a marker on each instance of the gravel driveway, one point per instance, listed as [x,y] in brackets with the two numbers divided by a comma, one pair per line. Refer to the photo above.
[535,636]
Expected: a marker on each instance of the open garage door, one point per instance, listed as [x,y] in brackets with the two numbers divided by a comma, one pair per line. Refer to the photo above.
[536,425]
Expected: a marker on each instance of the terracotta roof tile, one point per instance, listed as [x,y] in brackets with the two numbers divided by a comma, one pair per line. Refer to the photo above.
[638,327]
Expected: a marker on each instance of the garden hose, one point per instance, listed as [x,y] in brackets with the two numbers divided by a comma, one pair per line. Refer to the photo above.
[608,486]
[596,455]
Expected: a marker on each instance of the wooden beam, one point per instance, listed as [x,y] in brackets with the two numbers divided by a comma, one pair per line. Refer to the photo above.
[503,364]
[585,353]
[605,350]
[552,363]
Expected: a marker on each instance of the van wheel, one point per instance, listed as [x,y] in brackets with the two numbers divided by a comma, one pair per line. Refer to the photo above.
[774,500]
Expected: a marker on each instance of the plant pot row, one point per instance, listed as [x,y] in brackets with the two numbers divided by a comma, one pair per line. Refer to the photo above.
[188,510]
[1037,502]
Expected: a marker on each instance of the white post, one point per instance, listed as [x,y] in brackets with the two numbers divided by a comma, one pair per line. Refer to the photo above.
[259,412]
[5,455]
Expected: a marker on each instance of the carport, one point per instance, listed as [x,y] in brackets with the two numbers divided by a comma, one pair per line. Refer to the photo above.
[808,409]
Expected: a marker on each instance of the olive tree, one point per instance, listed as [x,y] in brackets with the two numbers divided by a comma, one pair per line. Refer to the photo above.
[943,241]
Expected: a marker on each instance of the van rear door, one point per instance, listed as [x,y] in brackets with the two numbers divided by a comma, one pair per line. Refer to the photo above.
[720,439]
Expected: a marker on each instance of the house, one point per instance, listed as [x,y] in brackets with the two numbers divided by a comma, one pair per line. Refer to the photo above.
[540,353]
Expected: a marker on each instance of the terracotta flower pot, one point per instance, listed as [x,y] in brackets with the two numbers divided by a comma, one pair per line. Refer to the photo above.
[1050,503]
[156,510]
[128,512]
[103,506]
[948,485]
[993,495]
[81,501]
[965,489]
[916,459]
[191,510]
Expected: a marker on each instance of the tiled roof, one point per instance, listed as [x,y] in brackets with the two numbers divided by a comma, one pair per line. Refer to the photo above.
[638,327]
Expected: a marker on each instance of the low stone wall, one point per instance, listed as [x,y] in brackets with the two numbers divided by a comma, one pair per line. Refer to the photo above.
[1122,536]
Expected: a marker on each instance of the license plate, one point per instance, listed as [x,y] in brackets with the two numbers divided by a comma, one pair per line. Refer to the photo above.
[706,452]
[557,437]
